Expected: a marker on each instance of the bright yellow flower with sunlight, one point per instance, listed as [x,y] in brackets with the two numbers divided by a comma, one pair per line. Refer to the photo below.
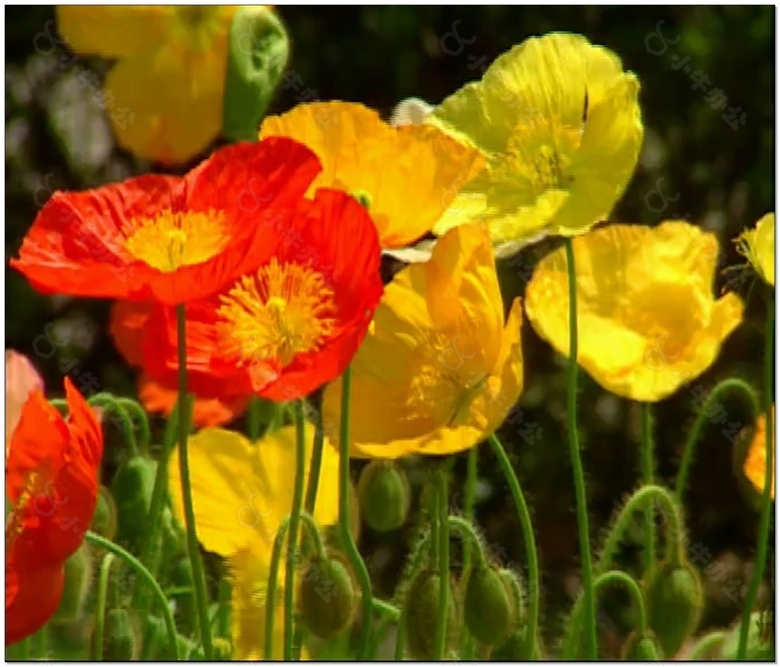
[165,93]
[438,371]
[755,461]
[647,320]
[559,123]
[242,491]
[406,176]
[758,245]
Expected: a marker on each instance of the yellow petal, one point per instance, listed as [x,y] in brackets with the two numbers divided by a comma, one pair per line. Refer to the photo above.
[755,461]
[243,491]
[647,320]
[758,245]
[421,173]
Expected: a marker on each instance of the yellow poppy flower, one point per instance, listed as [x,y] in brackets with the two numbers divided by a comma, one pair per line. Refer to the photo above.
[558,121]
[406,176]
[166,90]
[241,494]
[647,320]
[758,245]
[438,371]
[755,461]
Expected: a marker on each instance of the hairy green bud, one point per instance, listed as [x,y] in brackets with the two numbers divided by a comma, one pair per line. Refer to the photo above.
[78,578]
[326,598]
[514,589]
[487,606]
[384,495]
[517,647]
[120,636]
[421,613]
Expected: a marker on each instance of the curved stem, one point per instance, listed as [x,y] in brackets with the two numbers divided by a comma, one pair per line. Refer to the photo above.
[732,384]
[199,581]
[344,519]
[110,404]
[313,534]
[273,578]
[591,645]
[706,646]
[292,533]
[619,577]
[443,567]
[389,610]
[137,411]
[100,611]
[472,540]
[648,475]
[769,471]
[528,533]
[415,562]
[144,574]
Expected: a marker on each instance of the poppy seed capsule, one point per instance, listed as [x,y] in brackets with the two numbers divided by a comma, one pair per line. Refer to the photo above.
[326,597]
[487,607]
[421,613]
[674,604]
[78,577]
[384,496]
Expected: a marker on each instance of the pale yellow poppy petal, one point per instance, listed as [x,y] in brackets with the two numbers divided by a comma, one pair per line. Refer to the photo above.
[758,245]
[114,31]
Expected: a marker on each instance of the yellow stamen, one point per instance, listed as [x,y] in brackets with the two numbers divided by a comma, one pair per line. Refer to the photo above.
[282,311]
[172,240]
[33,486]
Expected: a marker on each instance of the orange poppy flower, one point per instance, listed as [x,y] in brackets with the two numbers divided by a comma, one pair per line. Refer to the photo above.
[52,483]
[285,329]
[128,319]
[168,239]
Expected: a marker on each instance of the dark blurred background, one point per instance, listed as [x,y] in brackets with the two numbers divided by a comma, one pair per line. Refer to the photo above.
[716,172]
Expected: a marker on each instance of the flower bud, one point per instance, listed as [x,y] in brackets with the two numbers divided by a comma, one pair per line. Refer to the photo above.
[78,577]
[132,490]
[514,589]
[641,648]
[326,597]
[384,495]
[422,612]
[120,636]
[674,604]
[104,519]
[517,648]
[487,607]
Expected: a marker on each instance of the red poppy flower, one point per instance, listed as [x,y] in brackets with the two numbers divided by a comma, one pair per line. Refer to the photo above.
[288,327]
[128,320]
[52,482]
[164,238]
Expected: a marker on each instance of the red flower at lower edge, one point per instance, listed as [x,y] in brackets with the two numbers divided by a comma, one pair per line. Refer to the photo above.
[292,325]
[52,482]
[169,239]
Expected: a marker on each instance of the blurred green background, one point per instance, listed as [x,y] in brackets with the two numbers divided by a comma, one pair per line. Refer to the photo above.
[694,165]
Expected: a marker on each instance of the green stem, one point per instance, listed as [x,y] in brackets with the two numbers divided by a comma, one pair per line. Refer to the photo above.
[386,608]
[414,564]
[619,577]
[769,471]
[137,411]
[706,646]
[254,415]
[443,567]
[344,519]
[292,533]
[110,404]
[199,580]
[145,575]
[471,539]
[467,641]
[273,578]
[528,533]
[732,384]
[591,645]
[648,476]
[100,612]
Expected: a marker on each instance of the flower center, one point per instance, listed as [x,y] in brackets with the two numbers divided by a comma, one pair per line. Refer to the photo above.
[172,240]
[282,311]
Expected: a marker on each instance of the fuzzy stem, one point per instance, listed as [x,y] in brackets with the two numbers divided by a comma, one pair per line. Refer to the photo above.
[619,577]
[648,476]
[467,641]
[199,580]
[273,578]
[144,574]
[443,567]
[528,533]
[591,645]
[732,384]
[769,471]
[137,411]
[313,534]
[110,404]
[100,611]
[471,539]
[415,562]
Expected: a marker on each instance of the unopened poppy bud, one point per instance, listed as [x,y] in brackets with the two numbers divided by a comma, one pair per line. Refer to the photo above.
[514,648]
[487,606]
[514,588]
[132,490]
[104,519]
[641,648]
[422,612]
[327,597]
[384,495]
[120,636]
[78,577]
[674,604]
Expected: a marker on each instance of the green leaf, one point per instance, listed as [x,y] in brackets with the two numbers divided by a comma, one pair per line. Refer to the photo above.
[258,49]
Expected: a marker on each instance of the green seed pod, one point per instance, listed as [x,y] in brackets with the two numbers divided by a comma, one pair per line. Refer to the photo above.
[641,648]
[326,596]
[421,613]
[674,604]
[78,578]
[514,590]
[104,520]
[384,495]
[487,607]
[120,636]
